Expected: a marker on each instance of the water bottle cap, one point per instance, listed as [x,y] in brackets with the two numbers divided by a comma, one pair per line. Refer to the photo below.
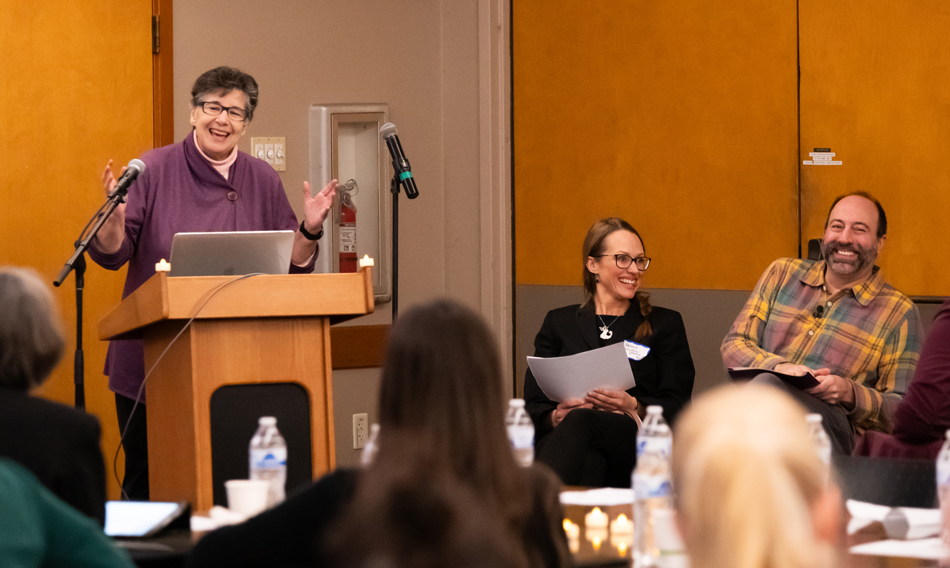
[654,409]
[516,403]
[267,421]
[813,418]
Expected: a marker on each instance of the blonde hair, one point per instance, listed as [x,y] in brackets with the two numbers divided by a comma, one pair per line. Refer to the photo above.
[747,477]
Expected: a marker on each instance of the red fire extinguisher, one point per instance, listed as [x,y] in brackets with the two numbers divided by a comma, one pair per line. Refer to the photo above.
[348,227]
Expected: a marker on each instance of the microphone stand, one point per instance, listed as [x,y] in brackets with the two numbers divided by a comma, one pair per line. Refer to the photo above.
[77,263]
[394,188]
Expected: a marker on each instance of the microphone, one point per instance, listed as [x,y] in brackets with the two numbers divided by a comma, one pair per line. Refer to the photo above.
[819,310]
[400,163]
[131,172]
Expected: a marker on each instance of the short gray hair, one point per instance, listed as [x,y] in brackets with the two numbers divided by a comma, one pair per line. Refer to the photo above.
[31,337]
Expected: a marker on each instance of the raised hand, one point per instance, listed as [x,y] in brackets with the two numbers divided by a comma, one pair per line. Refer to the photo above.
[112,233]
[316,206]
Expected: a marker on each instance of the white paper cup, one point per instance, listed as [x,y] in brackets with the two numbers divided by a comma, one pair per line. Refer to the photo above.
[247,497]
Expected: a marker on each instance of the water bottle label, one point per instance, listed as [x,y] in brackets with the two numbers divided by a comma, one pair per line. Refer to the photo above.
[647,443]
[521,437]
[269,458]
[650,486]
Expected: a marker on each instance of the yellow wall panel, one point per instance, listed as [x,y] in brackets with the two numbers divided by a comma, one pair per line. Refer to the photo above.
[679,116]
[875,90]
[75,88]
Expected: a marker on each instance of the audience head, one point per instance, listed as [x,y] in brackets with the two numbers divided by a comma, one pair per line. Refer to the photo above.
[422,518]
[603,275]
[855,231]
[31,339]
[750,487]
[444,488]
[442,386]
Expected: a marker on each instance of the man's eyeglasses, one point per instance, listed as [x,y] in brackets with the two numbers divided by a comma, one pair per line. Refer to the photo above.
[625,260]
[214,109]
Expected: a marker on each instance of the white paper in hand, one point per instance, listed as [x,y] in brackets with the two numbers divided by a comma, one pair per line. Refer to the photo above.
[573,376]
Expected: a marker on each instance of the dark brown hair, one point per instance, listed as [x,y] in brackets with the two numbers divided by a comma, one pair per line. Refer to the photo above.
[442,406]
[881,216]
[226,79]
[31,339]
[594,246]
[442,384]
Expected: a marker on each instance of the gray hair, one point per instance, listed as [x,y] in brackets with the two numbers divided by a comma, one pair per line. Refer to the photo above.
[226,79]
[31,337]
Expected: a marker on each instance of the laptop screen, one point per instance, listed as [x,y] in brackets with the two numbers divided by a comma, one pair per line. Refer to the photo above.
[231,253]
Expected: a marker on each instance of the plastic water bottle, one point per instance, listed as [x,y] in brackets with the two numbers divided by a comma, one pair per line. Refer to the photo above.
[652,487]
[520,432]
[821,441]
[648,429]
[268,458]
[943,492]
[371,447]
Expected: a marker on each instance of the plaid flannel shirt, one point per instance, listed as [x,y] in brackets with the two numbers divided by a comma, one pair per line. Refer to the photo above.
[870,334]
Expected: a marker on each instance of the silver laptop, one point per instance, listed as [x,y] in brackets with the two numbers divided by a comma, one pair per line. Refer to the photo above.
[231,253]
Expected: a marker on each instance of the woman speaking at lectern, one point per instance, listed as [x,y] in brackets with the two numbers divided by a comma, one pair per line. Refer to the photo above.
[202,184]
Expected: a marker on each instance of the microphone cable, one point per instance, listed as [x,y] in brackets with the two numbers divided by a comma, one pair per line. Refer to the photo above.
[138,397]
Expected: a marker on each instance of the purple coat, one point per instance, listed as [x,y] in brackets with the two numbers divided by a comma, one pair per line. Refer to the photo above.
[180,191]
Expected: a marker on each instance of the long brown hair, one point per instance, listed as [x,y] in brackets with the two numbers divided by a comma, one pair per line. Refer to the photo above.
[594,246]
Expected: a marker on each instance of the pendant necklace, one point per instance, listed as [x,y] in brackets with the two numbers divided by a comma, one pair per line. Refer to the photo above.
[605,332]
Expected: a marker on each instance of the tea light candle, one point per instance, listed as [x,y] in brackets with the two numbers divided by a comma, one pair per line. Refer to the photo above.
[596,519]
[162,266]
[622,542]
[621,525]
[572,530]
[366,261]
[596,536]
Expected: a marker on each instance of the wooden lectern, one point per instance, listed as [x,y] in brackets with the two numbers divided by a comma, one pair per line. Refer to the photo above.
[262,329]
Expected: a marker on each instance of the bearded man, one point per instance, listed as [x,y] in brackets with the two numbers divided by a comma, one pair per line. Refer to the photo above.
[837,319]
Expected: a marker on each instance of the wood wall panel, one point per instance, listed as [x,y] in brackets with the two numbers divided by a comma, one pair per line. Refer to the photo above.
[76,90]
[875,89]
[680,116]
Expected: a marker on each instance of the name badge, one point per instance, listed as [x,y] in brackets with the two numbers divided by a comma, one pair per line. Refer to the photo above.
[635,351]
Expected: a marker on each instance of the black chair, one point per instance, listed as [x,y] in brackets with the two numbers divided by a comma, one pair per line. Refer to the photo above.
[814,249]
[887,481]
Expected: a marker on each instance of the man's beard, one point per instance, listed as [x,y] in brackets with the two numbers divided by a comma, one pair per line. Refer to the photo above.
[862,258]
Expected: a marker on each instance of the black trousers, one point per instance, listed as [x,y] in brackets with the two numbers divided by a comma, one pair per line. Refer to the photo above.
[591,448]
[833,417]
[135,482]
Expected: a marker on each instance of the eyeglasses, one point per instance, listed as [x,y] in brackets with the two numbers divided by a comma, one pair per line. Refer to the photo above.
[214,109]
[625,260]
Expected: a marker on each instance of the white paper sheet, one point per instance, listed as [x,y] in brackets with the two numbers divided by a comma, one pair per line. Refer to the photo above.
[573,376]
[926,548]
[899,522]
[603,497]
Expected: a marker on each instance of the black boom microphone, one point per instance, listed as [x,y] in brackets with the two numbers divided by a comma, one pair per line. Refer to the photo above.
[400,163]
[131,172]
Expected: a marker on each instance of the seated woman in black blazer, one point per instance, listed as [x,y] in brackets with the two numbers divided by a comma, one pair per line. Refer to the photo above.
[592,441]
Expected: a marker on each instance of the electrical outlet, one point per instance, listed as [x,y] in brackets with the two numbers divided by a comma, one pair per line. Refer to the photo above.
[360,430]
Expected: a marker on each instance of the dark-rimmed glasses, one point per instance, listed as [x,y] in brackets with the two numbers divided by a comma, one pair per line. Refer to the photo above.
[625,260]
[214,109]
